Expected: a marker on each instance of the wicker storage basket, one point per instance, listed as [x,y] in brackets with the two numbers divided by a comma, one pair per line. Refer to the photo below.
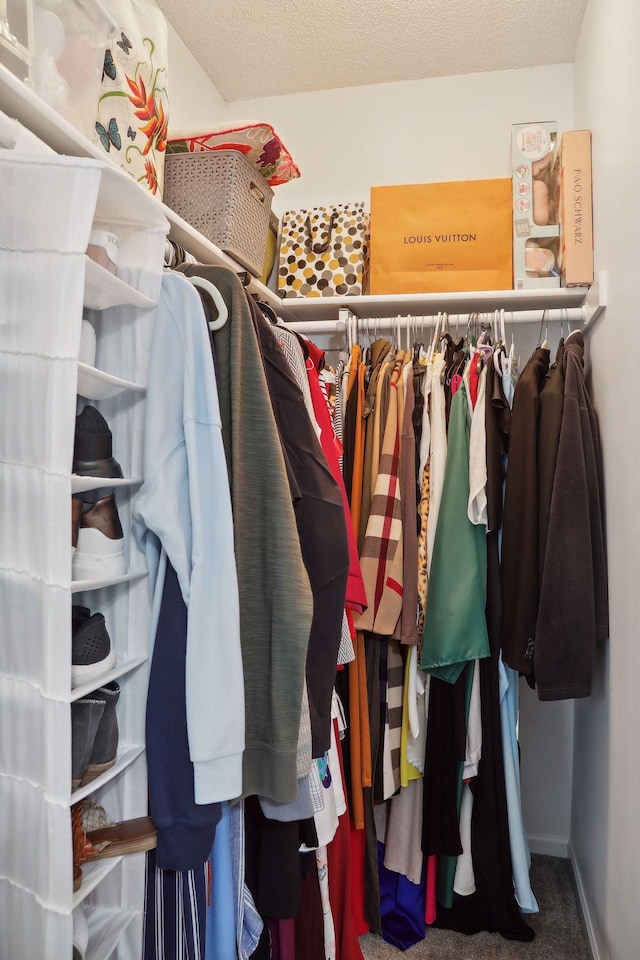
[222,195]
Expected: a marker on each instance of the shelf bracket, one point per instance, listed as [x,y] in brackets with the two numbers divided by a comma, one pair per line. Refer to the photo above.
[596,299]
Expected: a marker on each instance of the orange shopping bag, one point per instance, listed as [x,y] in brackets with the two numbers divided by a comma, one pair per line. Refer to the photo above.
[439,237]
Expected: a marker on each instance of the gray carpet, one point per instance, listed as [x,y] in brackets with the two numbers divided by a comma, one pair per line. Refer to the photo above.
[559,928]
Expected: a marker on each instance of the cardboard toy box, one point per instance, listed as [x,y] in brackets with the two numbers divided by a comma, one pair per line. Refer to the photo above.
[536,230]
[571,185]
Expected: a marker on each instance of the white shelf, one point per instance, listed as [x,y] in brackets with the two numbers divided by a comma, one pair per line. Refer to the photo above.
[93,874]
[105,930]
[103,289]
[79,586]
[429,304]
[120,670]
[20,102]
[82,484]
[94,384]
[124,759]
[207,252]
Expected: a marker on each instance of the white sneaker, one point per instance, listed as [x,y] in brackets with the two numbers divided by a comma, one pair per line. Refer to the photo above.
[100,550]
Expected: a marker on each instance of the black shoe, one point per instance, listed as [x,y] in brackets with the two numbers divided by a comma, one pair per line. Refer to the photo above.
[91,652]
[93,447]
[86,715]
[105,744]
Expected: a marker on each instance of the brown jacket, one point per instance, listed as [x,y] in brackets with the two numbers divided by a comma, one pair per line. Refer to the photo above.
[573,611]
[520,520]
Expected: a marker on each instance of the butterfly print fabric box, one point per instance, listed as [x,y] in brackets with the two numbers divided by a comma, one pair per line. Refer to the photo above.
[132,110]
[67,40]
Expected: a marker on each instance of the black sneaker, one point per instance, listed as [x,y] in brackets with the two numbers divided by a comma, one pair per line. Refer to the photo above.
[91,652]
[93,447]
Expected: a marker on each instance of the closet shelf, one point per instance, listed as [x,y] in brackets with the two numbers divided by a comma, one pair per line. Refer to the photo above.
[103,289]
[81,484]
[79,586]
[105,930]
[93,874]
[18,101]
[429,304]
[120,670]
[126,756]
[207,252]
[125,200]
[95,384]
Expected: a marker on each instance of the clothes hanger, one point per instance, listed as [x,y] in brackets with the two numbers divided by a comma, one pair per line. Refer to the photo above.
[434,339]
[269,312]
[545,343]
[499,340]
[514,362]
[216,296]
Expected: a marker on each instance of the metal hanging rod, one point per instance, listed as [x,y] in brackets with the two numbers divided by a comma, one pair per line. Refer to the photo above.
[572,315]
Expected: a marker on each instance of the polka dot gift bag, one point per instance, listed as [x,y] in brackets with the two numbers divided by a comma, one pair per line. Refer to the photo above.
[323,251]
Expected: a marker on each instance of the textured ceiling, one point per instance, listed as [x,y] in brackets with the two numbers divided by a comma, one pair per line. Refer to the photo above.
[255,48]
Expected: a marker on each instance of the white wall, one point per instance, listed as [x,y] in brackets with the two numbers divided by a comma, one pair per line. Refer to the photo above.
[193,99]
[605,836]
[415,131]
[446,128]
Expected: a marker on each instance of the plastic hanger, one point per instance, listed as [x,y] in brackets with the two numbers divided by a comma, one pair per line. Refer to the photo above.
[434,339]
[269,312]
[216,296]
[544,345]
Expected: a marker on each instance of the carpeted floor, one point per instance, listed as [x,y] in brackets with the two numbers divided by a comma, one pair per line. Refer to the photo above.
[559,928]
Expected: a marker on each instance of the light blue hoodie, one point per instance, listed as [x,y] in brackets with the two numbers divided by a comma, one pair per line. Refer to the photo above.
[184,509]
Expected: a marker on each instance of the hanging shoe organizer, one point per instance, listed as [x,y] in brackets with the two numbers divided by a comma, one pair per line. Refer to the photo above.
[49,205]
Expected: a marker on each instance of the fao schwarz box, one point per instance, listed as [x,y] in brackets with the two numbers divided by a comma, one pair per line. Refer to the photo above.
[571,179]
[536,234]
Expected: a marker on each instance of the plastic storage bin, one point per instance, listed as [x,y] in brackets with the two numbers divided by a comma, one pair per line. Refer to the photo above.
[16,29]
[58,47]
[222,195]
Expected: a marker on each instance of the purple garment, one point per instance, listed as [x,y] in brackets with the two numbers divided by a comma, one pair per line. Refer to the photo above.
[283,939]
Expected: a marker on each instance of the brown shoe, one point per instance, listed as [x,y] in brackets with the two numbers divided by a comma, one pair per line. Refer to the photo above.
[76,512]
[100,548]
[111,840]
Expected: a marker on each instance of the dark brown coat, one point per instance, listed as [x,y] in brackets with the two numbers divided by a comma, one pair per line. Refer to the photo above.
[520,520]
[573,610]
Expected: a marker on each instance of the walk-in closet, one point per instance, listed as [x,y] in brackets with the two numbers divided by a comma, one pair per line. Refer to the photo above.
[340,660]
